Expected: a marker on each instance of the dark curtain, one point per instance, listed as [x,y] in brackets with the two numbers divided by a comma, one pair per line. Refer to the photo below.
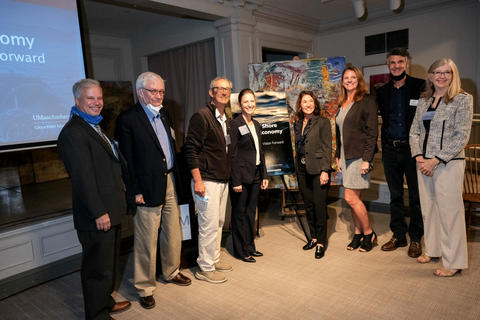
[187,71]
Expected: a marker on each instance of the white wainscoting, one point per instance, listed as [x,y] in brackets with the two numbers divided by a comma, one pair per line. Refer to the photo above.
[38,244]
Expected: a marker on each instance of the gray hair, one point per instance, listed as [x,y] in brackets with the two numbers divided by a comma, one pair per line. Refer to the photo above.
[212,83]
[84,83]
[143,77]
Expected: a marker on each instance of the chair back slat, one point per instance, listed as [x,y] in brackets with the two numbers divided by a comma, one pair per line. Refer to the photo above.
[472,159]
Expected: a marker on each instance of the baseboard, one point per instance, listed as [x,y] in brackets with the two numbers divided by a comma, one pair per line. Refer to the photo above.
[25,280]
[378,207]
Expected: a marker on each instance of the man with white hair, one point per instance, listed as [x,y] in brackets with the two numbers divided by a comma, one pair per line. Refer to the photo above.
[146,138]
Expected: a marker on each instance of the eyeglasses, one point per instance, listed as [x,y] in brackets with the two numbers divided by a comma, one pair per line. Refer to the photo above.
[155,92]
[222,89]
[442,73]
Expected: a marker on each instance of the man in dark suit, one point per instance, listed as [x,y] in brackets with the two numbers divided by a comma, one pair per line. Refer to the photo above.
[146,139]
[98,193]
[397,101]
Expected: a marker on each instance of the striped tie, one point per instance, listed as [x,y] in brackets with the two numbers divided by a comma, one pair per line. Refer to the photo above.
[104,137]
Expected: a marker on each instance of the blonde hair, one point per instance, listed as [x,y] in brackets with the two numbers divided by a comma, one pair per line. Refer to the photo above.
[362,88]
[453,89]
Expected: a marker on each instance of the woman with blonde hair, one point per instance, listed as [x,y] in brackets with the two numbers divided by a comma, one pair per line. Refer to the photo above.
[439,133]
[357,130]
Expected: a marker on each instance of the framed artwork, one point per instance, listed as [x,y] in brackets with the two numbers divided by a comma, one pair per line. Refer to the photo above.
[376,76]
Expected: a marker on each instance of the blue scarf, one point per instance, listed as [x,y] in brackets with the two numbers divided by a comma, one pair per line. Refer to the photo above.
[85,116]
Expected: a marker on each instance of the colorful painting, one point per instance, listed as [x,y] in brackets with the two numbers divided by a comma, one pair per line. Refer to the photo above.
[320,75]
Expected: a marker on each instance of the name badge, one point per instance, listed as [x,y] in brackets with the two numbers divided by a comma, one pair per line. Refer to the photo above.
[243,130]
[227,139]
[172,132]
[413,102]
[428,115]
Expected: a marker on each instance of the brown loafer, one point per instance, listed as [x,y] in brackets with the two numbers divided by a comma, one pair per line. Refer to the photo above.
[394,243]
[180,280]
[415,249]
[147,302]
[120,306]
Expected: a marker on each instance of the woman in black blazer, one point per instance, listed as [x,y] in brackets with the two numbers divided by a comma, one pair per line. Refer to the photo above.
[356,135]
[248,176]
[313,146]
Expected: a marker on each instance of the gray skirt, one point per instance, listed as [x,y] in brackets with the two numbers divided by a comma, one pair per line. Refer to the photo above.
[351,176]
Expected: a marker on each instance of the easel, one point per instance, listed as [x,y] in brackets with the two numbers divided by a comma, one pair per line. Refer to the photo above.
[295,206]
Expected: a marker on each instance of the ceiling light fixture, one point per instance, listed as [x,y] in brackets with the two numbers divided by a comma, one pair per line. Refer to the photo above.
[359,8]
[395,4]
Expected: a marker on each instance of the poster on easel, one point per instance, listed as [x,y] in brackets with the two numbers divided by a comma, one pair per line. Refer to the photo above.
[273,116]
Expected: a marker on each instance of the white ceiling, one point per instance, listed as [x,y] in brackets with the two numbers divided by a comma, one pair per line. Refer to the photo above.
[132,17]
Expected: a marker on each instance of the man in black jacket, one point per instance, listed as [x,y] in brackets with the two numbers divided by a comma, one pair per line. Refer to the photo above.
[146,138]
[98,197]
[207,155]
[397,101]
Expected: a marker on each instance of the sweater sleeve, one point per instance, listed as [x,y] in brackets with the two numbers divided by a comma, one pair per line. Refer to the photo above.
[197,132]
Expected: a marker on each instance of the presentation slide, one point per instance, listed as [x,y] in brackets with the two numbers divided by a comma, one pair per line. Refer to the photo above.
[40,59]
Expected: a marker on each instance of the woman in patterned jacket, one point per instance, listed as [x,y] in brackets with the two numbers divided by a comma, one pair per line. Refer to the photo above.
[440,131]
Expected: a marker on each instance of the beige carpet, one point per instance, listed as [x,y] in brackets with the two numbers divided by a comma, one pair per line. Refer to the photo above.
[288,283]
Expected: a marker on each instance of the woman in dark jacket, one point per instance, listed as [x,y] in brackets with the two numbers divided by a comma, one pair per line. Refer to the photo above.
[313,146]
[248,176]
[356,134]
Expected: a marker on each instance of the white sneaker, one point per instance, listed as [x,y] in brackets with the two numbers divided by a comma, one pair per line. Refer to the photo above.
[223,267]
[210,276]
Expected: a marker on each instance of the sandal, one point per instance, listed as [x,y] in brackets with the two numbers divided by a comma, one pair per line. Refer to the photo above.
[356,241]
[426,259]
[443,272]
[368,242]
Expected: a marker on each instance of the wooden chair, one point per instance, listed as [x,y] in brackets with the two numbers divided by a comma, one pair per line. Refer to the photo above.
[471,183]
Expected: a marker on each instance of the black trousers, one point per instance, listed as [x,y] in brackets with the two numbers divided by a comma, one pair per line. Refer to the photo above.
[244,205]
[100,254]
[315,199]
[397,162]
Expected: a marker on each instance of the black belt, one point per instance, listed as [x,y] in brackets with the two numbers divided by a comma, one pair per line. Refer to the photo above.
[398,143]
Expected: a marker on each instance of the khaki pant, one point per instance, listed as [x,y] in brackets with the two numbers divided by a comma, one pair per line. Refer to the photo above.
[444,214]
[147,221]
[211,217]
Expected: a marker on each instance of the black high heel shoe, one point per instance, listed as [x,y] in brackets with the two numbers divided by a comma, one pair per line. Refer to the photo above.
[356,241]
[319,252]
[310,245]
[368,242]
